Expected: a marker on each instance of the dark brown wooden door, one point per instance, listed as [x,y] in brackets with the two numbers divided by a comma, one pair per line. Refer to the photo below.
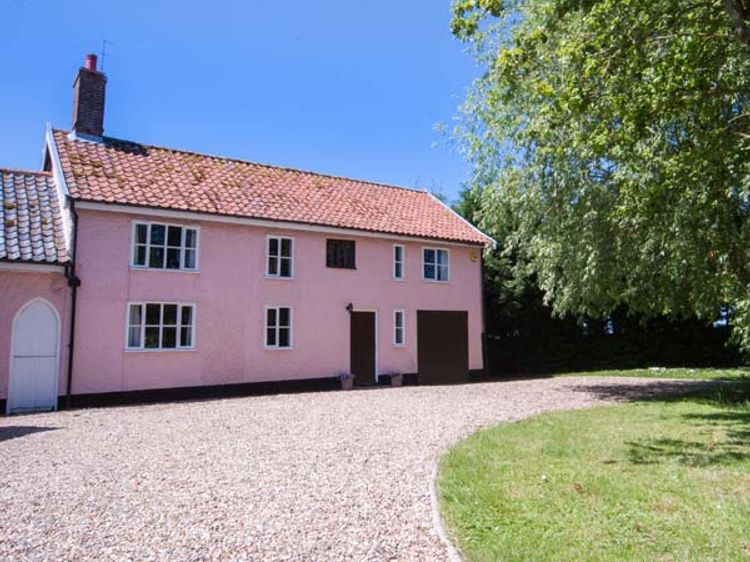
[362,346]
[442,346]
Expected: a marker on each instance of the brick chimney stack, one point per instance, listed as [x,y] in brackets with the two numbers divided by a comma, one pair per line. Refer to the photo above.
[88,99]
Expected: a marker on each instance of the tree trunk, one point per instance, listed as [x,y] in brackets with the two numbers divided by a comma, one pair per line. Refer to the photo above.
[739,12]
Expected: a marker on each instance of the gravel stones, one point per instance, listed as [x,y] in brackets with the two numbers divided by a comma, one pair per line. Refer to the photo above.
[316,476]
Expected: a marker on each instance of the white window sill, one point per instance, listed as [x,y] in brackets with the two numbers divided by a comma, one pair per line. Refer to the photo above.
[159,350]
[436,281]
[278,277]
[162,270]
[271,348]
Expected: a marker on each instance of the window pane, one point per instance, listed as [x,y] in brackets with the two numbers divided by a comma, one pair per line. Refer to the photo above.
[271,317]
[340,253]
[153,314]
[397,253]
[170,315]
[273,246]
[191,237]
[152,338]
[442,273]
[399,319]
[173,258]
[283,317]
[271,336]
[442,257]
[186,337]
[284,340]
[174,236]
[399,340]
[273,265]
[134,337]
[139,256]
[286,247]
[156,257]
[135,318]
[189,259]
[157,234]
[429,256]
[187,315]
[398,270]
[429,271]
[169,338]
[141,233]
[286,267]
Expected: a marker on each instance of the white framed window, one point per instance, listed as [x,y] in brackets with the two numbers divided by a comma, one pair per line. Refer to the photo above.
[435,264]
[278,327]
[398,261]
[399,328]
[279,257]
[164,246]
[160,325]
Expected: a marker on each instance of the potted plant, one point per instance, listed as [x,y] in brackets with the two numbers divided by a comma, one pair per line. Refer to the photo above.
[397,379]
[347,381]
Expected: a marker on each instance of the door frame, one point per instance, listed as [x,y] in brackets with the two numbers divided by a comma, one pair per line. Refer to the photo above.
[13,346]
[377,374]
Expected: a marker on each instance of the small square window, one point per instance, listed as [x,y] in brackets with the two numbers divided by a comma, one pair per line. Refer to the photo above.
[435,264]
[340,254]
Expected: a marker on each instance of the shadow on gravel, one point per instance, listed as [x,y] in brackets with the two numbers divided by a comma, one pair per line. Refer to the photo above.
[653,390]
[16,431]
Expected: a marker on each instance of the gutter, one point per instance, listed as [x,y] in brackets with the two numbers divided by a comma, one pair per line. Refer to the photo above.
[73,282]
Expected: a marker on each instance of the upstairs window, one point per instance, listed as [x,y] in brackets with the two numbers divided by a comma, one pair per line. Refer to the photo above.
[154,325]
[436,264]
[340,253]
[399,330]
[278,327]
[398,262]
[164,246]
[279,257]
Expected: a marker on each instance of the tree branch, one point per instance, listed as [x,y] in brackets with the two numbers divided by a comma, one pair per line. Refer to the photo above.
[739,13]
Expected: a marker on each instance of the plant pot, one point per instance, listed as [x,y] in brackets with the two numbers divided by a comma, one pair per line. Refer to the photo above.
[397,379]
[347,383]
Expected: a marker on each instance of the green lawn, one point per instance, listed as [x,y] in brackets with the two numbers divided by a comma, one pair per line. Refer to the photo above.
[707,374]
[653,480]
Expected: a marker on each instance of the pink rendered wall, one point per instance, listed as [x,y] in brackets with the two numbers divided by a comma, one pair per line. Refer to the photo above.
[230,291]
[18,288]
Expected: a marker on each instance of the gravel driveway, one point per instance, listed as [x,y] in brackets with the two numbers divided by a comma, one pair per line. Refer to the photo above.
[318,476]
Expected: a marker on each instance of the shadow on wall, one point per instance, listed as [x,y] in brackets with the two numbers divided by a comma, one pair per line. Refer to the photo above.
[14,432]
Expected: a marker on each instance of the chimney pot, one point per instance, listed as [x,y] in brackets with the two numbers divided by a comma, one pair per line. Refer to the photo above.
[90,62]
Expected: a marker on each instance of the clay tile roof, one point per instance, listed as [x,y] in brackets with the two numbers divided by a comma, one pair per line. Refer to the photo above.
[116,171]
[32,228]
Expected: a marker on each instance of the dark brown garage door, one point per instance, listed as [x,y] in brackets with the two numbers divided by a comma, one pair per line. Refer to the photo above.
[442,346]
[362,347]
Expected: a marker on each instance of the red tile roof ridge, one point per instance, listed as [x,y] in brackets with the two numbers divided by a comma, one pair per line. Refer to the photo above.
[250,162]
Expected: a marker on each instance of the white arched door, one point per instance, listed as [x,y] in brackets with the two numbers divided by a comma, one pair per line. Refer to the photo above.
[35,356]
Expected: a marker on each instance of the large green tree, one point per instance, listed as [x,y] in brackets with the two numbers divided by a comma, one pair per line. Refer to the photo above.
[616,134]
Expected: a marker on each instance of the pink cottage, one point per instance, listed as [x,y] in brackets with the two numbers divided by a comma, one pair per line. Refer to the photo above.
[127,268]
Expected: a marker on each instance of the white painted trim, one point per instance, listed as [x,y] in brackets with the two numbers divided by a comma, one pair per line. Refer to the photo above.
[276,347]
[490,241]
[377,340]
[268,255]
[403,327]
[436,249]
[143,303]
[134,225]
[263,223]
[31,267]
[63,193]
[8,401]
[403,262]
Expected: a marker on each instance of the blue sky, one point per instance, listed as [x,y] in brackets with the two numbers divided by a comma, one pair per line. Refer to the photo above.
[347,87]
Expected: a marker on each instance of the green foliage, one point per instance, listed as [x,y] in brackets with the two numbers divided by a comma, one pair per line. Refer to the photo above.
[611,149]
